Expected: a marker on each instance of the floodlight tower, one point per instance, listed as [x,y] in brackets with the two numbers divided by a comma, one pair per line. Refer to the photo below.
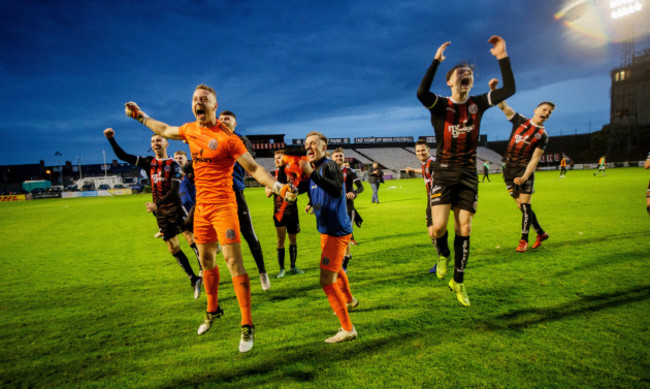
[624,104]
[626,9]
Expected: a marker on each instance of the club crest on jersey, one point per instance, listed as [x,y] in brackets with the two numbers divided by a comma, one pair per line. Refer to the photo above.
[473,109]
[230,234]
[213,144]
[167,168]
[325,261]
[538,136]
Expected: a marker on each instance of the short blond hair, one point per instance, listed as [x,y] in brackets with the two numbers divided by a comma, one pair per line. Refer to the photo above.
[180,152]
[205,87]
[318,134]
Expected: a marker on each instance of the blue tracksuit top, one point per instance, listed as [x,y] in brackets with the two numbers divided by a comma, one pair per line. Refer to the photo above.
[328,200]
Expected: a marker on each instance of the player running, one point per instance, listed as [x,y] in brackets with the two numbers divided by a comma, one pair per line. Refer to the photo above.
[456,121]
[526,146]
[328,201]
[563,166]
[423,152]
[214,150]
[165,177]
[602,165]
[351,180]
[245,221]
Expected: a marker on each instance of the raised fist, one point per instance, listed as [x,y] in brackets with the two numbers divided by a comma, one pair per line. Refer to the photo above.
[133,111]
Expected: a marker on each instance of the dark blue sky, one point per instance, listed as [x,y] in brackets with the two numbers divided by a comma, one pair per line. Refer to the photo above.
[346,68]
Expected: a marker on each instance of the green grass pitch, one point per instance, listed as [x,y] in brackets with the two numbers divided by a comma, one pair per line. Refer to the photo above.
[88,298]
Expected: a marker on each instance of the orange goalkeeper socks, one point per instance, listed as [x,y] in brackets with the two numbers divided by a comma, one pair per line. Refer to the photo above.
[337,302]
[344,285]
[211,285]
[242,286]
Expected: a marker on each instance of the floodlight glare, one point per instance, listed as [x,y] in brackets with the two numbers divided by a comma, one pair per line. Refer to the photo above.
[623,8]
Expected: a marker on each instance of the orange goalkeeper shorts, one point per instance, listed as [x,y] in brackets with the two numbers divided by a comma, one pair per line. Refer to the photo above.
[333,251]
[216,222]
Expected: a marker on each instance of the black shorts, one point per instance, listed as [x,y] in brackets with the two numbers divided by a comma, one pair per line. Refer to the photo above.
[351,210]
[647,192]
[290,219]
[429,218]
[455,186]
[170,220]
[189,219]
[512,172]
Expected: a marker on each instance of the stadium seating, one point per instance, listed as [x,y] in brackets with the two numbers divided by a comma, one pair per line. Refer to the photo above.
[393,158]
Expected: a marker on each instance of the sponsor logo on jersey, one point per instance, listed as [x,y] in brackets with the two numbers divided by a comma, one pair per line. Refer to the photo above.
[458,129]
[198,158]
[158,178]
[521,139]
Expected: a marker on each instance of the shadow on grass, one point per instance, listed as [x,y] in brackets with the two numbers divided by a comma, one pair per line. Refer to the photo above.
[293,362]
[509,255]
[522,318]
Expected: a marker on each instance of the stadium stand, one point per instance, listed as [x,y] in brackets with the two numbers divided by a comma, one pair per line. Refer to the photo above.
[351,153]
[392,158]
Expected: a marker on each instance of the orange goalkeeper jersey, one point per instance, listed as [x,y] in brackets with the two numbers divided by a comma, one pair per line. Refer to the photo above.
[214,152]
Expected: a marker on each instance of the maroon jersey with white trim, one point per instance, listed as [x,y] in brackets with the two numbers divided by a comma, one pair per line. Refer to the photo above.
[524,139]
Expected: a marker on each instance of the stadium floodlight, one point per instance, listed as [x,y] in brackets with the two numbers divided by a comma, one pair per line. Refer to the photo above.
[622,8]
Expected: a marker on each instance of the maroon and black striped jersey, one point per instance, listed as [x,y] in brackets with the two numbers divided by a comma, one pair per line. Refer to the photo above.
[427,169]
[349,177]
[524,139]
[457,126]
[162,172]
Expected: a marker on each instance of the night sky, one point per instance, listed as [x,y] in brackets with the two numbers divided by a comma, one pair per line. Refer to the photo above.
[345,68]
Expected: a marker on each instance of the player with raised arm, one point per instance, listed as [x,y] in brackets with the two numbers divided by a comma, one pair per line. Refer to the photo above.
[423,152]
[214,150]
[456,121]
[351,180]
[245,221]
[526,146]
[165,177]
[328,202]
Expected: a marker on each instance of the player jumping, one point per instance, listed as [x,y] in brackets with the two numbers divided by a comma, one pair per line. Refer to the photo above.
[214,150]
[526,146]
[456,121]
